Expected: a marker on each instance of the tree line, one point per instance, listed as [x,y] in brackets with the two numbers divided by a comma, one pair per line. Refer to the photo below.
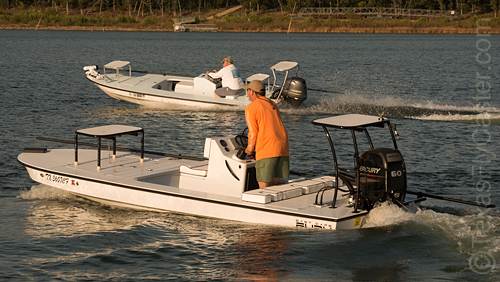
[180,7]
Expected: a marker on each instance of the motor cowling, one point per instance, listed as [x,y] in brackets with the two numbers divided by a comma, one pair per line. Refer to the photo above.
[92,71]
[382,177]
[294,91]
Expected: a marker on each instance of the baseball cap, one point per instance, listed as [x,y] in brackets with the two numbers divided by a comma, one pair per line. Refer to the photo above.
[255,85]
[228,60]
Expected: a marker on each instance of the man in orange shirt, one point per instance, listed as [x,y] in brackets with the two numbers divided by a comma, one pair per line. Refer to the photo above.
[267,136]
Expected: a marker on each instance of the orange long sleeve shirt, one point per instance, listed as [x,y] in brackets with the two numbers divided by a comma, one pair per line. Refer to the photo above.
[266,133]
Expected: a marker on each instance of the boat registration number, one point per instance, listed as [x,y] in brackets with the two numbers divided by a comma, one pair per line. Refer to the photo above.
[309,224]
[56,178]
[137,95]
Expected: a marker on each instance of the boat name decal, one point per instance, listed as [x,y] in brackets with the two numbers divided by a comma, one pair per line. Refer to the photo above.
[309,224]
[369,169]
[56,178]
[137,95]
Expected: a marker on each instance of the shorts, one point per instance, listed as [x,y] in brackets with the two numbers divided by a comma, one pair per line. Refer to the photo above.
[267,169]
[226,91]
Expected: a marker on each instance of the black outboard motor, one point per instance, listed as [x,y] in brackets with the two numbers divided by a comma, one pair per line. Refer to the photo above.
[294,91]
[382,177]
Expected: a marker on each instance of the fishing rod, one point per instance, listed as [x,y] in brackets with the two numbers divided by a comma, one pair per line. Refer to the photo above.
[123,149]
[420,194]
[320,90]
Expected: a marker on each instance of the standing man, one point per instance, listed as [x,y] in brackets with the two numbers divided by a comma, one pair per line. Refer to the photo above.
[232,84]
[267,136]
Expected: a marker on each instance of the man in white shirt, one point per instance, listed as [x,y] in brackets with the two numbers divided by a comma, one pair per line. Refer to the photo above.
[232,84]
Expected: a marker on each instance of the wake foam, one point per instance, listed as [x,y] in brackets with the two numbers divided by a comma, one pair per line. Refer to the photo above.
[465,227]
[43,192]
[395,108]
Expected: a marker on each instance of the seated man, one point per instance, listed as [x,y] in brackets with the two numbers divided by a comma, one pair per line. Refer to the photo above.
[232,84]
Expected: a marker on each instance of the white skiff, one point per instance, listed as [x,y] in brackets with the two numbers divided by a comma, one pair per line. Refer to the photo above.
[220,185]
[155,89]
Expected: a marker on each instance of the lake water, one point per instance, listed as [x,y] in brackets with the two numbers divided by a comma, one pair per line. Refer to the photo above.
[432,86]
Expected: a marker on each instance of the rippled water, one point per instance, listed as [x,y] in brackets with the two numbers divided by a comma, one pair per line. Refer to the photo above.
[424,83]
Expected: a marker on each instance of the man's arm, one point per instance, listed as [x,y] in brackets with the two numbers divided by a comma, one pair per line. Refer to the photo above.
[253,131]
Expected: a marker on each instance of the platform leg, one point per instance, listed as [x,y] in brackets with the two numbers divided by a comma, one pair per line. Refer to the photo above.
[76,149]
[99,153]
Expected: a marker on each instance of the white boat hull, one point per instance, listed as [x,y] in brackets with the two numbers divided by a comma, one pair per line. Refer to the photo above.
[118,182]
[157,90]
[219,185]
[162,201]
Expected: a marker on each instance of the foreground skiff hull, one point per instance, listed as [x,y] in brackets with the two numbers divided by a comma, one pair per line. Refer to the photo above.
[111,185]
[222,184]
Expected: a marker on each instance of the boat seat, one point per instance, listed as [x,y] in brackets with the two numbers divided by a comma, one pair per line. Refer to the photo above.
[184,85]
[199,170]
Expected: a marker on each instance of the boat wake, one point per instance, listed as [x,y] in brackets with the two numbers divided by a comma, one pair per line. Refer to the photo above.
[395,108]
[74,214]
[454,224]
[44,192]
[353,104]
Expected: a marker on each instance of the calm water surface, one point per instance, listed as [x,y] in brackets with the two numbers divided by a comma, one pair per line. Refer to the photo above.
[426,84]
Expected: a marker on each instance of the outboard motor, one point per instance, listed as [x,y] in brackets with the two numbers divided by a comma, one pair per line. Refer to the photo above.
[91,71]
[294,91]
[382,177]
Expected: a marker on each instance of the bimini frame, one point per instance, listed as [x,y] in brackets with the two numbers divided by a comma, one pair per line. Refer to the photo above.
[353,123]
[286,67]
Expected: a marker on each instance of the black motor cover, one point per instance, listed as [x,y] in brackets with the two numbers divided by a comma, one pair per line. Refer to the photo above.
[382,177]
[294,91]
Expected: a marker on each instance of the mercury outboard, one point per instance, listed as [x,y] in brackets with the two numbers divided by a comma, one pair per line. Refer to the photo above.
[382,177]
[379,174]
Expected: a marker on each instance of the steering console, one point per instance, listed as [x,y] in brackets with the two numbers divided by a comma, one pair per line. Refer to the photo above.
[242,141]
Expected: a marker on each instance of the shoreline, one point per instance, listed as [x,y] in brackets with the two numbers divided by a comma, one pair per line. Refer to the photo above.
[239,20]
[386,30]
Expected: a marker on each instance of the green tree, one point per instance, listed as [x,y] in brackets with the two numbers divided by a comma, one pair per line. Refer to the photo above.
[495,4]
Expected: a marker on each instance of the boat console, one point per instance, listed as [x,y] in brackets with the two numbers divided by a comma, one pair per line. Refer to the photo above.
[220,172]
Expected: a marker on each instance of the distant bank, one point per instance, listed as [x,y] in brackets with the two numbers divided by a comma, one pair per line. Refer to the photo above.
[245,22]
[389,29]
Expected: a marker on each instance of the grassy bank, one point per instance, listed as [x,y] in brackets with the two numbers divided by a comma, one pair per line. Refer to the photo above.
[237,22]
